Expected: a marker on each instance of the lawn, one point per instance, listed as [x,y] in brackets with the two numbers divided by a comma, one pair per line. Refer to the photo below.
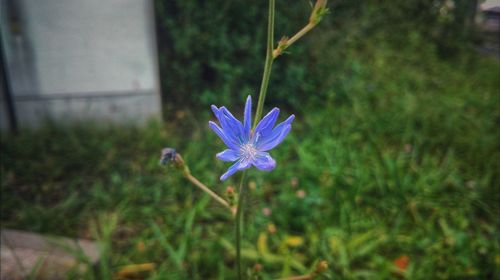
[393,173]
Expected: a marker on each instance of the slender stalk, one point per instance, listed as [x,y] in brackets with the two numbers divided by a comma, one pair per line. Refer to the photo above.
[238,223]
[267,64]
[204,188]
[292,40]
[180,164]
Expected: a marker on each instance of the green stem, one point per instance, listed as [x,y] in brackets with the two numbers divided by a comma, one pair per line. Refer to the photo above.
[238,223]
[267,64]
[258,114]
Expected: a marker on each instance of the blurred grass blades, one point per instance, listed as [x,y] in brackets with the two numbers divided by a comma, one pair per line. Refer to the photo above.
[267,258]
[102,229]
[178,255]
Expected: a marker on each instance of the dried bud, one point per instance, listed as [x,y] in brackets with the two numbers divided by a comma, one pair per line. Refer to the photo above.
[167,156]
[321,266]
[300,193]
[271,228]
[402,262]
[267,211]
[231,196]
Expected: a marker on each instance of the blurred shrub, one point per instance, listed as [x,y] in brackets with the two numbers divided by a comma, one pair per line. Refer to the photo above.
[213,51]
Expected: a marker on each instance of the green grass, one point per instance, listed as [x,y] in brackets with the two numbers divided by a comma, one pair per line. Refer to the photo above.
[400,159]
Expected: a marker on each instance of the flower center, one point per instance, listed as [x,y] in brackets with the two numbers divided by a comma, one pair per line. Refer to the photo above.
[248,152]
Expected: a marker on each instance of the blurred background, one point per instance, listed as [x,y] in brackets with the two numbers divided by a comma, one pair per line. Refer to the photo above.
[391,169]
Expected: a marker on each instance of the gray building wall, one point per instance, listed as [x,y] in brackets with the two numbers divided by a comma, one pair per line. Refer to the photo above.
[74,60]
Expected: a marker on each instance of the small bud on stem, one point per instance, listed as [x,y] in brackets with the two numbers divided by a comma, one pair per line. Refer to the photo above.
[232,198]
[169,155]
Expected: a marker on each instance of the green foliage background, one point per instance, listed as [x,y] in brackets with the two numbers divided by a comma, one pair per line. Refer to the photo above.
[395,148]
[213,51]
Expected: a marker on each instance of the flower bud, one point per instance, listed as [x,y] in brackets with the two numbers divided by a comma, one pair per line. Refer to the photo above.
[167,156]
[231,196]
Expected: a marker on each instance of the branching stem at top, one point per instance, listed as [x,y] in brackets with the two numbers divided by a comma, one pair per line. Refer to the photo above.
[317,13]
[271,54]
[267,64]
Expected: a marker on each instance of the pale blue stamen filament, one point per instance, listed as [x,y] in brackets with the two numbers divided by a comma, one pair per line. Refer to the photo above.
[248,152]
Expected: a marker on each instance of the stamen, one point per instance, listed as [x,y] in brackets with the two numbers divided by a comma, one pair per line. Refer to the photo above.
[248,152]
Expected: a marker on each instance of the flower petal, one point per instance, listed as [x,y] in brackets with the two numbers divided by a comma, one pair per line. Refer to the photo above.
[215,110]
[247,117]
[227,140]
[275,139]
[264,161]
[266,125]
[279,133]
[231,124]
[228,155]
[225,124]
[240,165]
[230,172]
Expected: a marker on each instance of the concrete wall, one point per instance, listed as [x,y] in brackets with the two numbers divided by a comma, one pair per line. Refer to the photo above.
[74,60]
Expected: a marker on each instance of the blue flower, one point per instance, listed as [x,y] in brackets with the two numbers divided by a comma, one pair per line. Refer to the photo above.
[247,147]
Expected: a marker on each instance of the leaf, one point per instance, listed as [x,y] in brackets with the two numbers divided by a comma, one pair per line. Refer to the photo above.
[134,270]
[268,258]
[262,244]
[338,247]
[166,246]
[358,239]
[294,241]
